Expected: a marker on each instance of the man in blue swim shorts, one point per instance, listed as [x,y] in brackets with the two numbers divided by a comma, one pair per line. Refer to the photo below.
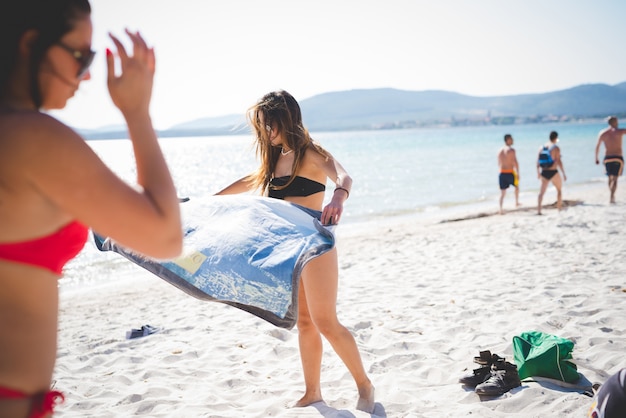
[611,137]
[506,179]
[509,170]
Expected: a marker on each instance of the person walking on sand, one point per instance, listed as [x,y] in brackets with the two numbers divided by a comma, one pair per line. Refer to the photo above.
[53,186]
[611,137]
[548,164]
[509,170]
[295,168]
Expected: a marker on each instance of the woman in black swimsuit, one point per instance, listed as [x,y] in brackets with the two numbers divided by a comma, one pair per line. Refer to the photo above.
[551,173]
[295,168]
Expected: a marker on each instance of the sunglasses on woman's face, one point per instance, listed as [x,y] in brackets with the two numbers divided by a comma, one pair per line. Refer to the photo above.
[84,58]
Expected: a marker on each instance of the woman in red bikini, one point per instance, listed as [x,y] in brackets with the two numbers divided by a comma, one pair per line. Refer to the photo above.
[53,186]
[295,168]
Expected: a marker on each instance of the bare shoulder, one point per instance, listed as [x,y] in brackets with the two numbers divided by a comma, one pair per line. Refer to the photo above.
[34,139]
[318,166]
[603,133]
[29,127]
[313,156]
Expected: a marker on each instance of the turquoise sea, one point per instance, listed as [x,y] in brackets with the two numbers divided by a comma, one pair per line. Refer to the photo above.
[417,172]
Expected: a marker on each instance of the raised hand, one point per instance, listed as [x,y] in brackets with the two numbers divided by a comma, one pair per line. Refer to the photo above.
[131,91]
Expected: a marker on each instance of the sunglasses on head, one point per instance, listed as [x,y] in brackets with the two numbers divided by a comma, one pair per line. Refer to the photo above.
[84,58]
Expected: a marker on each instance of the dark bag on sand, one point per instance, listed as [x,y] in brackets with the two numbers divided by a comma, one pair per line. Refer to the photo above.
[545,157]
[539,354]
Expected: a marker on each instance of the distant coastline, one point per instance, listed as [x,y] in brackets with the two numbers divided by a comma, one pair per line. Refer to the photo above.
[504,121]
[497,121]
[387,109]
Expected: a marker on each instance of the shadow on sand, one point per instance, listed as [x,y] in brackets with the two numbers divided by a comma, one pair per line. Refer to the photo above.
[330,412]
[566,204]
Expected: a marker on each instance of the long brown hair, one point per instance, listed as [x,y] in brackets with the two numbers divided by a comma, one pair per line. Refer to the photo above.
[282,112]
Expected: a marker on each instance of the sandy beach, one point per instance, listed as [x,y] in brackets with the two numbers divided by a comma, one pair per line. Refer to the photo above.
[421,297]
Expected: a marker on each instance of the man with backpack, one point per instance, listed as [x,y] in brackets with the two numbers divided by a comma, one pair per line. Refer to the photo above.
[611,137]
[509,170]
[548,165]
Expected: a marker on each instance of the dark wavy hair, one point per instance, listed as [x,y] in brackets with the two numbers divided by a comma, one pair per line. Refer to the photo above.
[50,19]
[280,110]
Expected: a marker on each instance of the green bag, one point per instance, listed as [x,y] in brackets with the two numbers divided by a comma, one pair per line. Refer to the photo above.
[539,354]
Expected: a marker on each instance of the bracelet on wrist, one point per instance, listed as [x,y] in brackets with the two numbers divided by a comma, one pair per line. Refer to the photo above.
[344,189]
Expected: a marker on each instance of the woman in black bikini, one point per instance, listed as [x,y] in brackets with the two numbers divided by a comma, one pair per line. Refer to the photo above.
[295,168]
[551,173]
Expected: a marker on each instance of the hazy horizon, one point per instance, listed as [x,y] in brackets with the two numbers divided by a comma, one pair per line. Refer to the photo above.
[214,61]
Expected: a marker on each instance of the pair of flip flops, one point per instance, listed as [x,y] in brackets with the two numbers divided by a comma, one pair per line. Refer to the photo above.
[144,331]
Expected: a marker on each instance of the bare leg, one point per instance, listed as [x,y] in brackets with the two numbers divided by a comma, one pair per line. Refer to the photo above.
[320,281]
[612,187]
[310,342]
[542,191]
[502,194]
[556,180]
[517,203]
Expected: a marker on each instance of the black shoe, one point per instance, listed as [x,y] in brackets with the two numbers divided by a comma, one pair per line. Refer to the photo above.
[486,358]
[476,377]
[502,364]
[504,377]
[143,332]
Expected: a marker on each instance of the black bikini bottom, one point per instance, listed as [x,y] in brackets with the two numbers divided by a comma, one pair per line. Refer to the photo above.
[548,174]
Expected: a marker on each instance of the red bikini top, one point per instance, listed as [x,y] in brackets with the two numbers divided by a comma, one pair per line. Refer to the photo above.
[51,252]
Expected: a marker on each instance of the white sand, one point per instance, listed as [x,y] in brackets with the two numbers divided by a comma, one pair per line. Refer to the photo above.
[421,298]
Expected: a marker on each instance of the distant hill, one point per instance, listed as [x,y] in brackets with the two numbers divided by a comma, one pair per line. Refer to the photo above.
[387,108]
[621,85]
[221,125]
[226,121]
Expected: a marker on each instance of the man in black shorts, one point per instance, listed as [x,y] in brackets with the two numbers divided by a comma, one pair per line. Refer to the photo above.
[509,170]
[611,137]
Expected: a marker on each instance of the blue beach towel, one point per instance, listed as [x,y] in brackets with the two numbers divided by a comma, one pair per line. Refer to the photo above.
[245,251]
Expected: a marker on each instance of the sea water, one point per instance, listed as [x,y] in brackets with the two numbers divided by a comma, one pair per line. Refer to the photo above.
[395,173]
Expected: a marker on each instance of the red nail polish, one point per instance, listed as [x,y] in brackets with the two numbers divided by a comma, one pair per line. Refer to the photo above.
[109,53]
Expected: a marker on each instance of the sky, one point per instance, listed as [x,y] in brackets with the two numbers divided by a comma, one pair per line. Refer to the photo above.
[217,58]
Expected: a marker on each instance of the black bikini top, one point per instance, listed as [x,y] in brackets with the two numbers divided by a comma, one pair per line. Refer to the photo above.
[300,186]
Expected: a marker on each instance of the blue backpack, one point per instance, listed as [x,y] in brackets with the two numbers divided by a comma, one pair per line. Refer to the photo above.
[545,157]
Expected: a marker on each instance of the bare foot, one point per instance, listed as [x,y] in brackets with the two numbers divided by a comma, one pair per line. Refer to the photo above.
[307,400]
[366,399]
[518,204]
